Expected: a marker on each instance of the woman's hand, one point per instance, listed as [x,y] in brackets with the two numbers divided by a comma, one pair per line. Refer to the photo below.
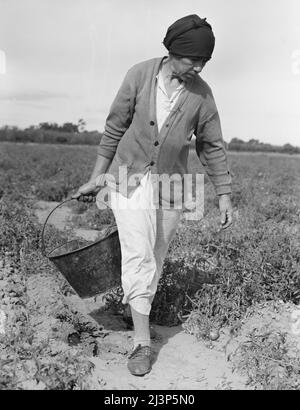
[87,192]
[226,210]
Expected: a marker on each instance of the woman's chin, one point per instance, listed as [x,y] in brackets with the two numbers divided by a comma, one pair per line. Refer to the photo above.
[188,76]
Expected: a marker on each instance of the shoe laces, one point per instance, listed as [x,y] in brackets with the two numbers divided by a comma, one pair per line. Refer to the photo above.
[140,351]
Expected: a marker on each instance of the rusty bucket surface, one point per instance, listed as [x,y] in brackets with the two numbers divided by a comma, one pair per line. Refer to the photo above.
[90,268]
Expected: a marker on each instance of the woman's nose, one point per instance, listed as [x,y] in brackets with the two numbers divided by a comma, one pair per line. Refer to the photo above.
[197,69]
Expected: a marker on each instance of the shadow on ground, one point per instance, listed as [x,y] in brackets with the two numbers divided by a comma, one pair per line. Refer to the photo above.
[115,322]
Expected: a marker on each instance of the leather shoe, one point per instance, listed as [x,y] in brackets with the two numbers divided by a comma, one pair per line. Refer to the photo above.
[139,362]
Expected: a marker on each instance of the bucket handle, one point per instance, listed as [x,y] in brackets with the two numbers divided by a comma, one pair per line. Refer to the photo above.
[42,235]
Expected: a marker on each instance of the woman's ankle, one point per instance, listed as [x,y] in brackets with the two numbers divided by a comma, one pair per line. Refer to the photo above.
[142,342]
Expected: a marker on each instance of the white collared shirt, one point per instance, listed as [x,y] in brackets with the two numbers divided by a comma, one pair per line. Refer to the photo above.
[164,104]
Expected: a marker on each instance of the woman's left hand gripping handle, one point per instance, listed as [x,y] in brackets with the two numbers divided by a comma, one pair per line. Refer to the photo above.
[87,192]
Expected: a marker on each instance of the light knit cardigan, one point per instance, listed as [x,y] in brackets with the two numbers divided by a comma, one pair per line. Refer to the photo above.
[131,135]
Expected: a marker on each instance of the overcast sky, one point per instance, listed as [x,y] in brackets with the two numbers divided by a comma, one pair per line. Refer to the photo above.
[62,60]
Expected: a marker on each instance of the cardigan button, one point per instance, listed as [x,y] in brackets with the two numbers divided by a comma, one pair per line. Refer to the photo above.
[156,143]
[152,123]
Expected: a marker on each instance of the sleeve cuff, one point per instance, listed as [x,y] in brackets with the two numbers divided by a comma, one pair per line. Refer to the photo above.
[223,189]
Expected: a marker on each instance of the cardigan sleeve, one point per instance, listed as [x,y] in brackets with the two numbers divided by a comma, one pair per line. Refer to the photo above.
[120,116]
[211,152]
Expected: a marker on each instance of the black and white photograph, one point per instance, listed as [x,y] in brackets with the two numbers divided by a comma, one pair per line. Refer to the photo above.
[149,197]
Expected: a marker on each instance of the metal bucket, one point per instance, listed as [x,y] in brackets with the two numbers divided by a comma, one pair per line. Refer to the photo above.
[90,269]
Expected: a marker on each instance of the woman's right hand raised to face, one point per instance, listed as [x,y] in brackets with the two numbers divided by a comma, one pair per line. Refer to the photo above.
[87,192]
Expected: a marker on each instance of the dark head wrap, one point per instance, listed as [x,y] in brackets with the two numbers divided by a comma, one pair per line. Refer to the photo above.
[191,37]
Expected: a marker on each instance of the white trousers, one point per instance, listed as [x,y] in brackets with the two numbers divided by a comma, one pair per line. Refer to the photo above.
[145,234]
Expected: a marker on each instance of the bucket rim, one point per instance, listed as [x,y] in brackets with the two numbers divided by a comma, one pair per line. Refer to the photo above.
[115,232]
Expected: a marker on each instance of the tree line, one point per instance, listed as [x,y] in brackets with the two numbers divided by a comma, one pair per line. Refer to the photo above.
[254,145]
[52,133]
[70,133]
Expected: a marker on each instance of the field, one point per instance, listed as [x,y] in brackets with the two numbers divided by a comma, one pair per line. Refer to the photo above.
[243,283]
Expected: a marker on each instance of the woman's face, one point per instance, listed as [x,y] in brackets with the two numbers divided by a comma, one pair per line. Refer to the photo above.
[187,68]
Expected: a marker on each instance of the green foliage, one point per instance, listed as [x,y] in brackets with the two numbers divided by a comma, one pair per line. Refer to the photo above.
[16,227]
[47,173]
[258,258]
[23,357]
[265,359]
[181,279]
[259,265]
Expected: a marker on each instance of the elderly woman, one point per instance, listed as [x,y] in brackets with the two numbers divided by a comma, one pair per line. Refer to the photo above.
[162,102]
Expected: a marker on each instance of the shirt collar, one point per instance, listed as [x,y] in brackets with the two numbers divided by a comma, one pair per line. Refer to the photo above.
[161,83]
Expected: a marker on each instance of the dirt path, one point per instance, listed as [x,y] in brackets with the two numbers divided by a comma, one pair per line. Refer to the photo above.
[181,362]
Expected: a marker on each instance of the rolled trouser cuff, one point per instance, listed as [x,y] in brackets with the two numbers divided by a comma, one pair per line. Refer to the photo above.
[141,305]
